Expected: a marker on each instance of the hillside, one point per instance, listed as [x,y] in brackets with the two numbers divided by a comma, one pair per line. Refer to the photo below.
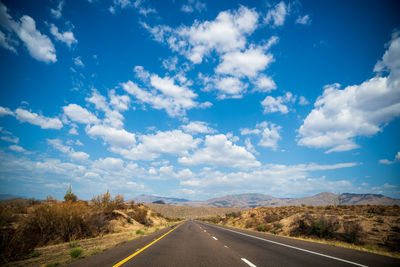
[368,227]
[258,200]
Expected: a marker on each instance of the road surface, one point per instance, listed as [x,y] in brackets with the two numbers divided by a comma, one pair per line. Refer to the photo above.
[195,243]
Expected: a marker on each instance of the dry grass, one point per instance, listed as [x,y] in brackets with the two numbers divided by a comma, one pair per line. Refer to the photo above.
[370,228]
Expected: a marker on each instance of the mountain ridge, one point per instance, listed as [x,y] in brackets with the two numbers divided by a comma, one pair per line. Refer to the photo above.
[251,200]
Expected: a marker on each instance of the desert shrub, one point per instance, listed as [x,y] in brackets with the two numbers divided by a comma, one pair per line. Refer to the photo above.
[249,223]
[140,215]
[105,203]
[352,232]
[69,196]
[139,232]
[46,224]
[6,215]
[53,264]
[73,244]
[35,254]
[262,228]
[234,214]
[322,227]
[272,218]
[75,252]
[215,219]
[278,225]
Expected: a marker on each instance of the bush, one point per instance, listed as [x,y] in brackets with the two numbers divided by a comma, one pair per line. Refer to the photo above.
[261,228]
[35,254]
[105,203]
[322,227]
[69,196]
[139,232]
[76,252]
[352,232]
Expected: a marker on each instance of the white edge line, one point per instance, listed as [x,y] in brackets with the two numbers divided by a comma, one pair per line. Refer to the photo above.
[214,238]
[248,262]
[289,246]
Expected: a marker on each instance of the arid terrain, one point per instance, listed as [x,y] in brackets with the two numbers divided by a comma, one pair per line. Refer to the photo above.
[368,227]
[51,232]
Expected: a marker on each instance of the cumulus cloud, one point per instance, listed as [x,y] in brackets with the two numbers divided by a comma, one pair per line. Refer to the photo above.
[74,155]
[109,164]
[39,45]
[277,104]
[66,37]
[269,133]
[340,115]
[33,118]
[229,87]
[151,146]
[197,127]
[79,114]
[228,32]
[244,64]
[264,84]
[168,95]
[218,150]
[113,136]
[17,148]
[11,139]
[5,111]
[7,43]
[277,15]
[389,162]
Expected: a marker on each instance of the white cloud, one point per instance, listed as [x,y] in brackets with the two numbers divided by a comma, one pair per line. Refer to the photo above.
[264,84]
[79,114]
[192,5]
[269,133]
[11,139]
[197,127]
[277,14]
[57,13]
[74,155]
[44,122]
[219,151]
[244,64]
[39,45]
[7,43]
[109,164]
[5,111]
[66,37]
[116,137]
[303,101]
[230,87]
[304,20]
[277,104]
[226,33]
[174,98]
[18,148]
[340,115]
[78,62]
[388,162]
[173,142]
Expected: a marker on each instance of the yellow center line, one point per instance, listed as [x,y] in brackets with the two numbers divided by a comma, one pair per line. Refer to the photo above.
[142,249]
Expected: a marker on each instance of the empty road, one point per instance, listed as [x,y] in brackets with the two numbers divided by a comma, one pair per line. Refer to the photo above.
[199,244]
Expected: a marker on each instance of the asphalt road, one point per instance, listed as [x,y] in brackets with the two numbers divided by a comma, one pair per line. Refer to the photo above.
[199,244]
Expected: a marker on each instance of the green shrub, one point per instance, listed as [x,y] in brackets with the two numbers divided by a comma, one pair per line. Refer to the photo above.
[94,251]
[75,252]
[278,225]
[352,232]
[69,196]
[53,264]
[73,244]
[139,232]
[35,254]
[261,228]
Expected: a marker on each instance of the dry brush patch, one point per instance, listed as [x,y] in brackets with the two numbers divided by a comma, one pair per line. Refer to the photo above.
[50,222]
[367,227]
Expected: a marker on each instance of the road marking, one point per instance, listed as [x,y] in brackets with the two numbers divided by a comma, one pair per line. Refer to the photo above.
[142,249]
[248,262]
[226,246]
[205,231]
[288,246]
[214,238]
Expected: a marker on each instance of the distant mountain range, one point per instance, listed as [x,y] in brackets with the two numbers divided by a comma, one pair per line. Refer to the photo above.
[257,200]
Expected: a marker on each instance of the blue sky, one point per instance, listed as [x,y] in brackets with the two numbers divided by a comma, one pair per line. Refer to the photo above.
[199,99]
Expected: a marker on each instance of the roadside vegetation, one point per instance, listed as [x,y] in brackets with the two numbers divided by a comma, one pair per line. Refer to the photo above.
[367,227]
[26,226]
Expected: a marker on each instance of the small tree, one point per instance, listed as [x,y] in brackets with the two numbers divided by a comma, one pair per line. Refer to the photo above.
[69,196]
